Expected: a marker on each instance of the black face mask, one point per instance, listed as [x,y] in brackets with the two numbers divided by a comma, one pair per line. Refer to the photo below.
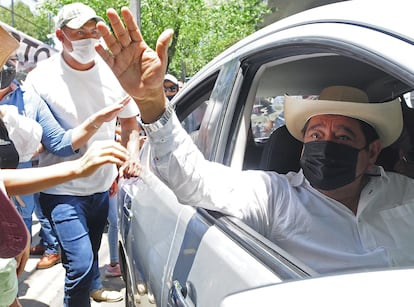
[7,75]
[329,165]
[9,157]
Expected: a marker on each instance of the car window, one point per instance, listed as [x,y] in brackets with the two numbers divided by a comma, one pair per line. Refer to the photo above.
[305,77]
[192,122]
[191,107]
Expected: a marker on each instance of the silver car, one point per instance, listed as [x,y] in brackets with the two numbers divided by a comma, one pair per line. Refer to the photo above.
[177,255]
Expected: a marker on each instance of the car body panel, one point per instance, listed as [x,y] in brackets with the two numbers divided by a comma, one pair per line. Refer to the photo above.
[380,288]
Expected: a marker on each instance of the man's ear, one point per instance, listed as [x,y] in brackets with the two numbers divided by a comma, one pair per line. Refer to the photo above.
[374,150]
[59,35]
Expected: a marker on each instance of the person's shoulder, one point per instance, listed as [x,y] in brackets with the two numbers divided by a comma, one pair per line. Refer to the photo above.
[29,93]
[44,65]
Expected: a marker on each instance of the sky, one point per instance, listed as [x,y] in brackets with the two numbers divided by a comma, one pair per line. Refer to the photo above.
[30,3]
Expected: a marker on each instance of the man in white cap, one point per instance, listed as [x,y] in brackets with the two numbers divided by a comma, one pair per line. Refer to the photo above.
[75,84]
[340,212]
[171,86]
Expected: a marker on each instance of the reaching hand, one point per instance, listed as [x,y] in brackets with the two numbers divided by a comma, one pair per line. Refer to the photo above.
[139,69]
[110,112]
[132,168]
[101,152]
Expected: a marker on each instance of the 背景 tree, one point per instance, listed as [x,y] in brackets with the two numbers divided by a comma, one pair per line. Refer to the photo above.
[202,28]
[24,20]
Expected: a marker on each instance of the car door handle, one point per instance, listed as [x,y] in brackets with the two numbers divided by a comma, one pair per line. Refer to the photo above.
[178,296]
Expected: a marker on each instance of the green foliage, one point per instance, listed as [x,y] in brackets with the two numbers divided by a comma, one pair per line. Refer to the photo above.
[100,6]
[24,20]
[202,28]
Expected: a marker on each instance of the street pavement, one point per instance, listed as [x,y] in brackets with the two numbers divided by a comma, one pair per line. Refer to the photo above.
[43,288]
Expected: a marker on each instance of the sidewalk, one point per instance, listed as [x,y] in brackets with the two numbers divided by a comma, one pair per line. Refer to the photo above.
[43,288]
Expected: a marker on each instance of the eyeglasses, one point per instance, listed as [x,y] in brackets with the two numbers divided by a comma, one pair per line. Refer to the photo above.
[13,59]
[172,88]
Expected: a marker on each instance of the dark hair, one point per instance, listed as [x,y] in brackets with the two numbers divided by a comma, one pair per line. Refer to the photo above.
[369,132]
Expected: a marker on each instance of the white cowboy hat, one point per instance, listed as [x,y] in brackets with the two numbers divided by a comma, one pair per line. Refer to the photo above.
[8,45]
[385,118]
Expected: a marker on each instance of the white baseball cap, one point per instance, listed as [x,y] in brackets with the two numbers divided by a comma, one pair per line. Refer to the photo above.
[75,15]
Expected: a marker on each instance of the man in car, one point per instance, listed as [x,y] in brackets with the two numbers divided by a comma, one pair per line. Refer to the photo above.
[339,212]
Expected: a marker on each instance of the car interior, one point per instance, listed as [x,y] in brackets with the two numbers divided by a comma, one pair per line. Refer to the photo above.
[270,145]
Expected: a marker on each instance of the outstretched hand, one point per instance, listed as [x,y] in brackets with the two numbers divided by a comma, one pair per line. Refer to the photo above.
[101,152]
[139,69]
[110,112]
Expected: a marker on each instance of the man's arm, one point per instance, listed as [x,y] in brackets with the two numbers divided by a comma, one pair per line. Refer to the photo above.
[65,142]
[129,131]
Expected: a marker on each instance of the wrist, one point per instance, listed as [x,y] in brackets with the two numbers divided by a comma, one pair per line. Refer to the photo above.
[160,122]
[93,124]
[152,106]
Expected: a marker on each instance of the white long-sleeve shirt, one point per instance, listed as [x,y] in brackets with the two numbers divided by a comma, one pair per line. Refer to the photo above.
[316,229]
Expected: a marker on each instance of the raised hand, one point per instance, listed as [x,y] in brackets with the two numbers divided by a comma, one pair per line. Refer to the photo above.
[139,69]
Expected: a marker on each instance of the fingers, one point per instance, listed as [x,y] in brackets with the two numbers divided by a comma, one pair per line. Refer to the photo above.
[124,35]
[121,33]
[130,169]
[111,41]
[107,150]
[131,25]
[163,43]
[126,101]
[100,153]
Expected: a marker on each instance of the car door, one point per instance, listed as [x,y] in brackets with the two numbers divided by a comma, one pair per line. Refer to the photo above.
[183,254]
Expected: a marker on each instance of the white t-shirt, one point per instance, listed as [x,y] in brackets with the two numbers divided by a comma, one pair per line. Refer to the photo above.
[73,96]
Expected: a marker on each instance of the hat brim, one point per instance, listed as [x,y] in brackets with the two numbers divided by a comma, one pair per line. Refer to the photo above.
[8,45]
[78,22]
[385,118]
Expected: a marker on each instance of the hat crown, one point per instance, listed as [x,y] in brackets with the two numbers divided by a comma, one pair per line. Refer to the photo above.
[171,78]
[343,93]
[75,15]
[385,117]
